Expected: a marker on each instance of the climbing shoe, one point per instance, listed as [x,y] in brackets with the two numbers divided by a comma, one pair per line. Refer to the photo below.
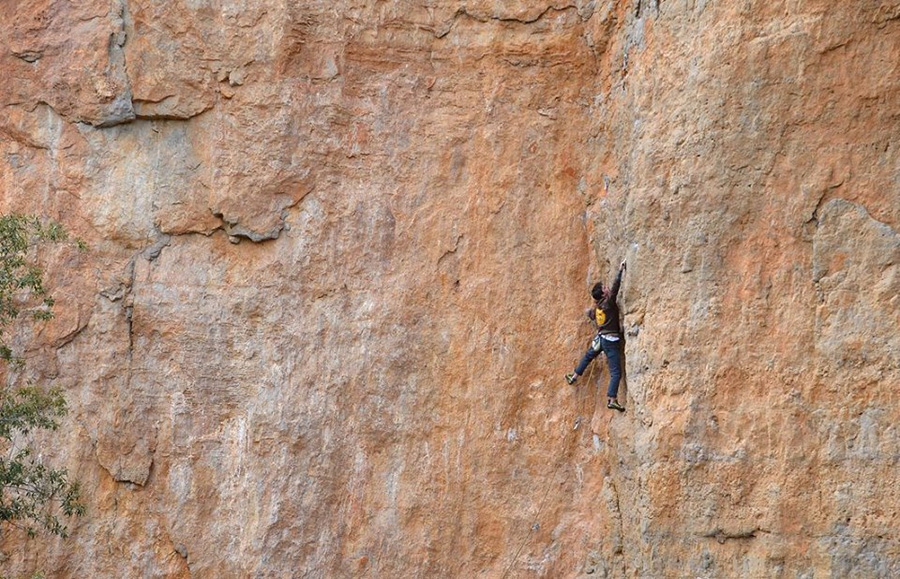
[570,378]
[614,404]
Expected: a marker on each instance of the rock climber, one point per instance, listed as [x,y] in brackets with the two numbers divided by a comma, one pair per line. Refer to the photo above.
[605,316]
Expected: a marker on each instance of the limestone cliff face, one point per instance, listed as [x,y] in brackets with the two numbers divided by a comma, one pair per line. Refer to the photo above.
[340,253]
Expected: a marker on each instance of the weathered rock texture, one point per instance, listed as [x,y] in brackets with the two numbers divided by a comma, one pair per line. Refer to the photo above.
[339,254]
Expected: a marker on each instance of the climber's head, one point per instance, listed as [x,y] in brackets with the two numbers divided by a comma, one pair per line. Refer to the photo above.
[597,292]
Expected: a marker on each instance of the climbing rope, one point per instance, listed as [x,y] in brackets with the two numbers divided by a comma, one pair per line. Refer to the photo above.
[537,516]
[534,526]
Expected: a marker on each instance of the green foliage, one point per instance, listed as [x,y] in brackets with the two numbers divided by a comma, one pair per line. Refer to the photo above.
[35,575]
[21,280]
[32,495]
[25,409]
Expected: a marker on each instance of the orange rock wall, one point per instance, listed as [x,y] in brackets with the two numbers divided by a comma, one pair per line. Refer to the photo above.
[340,253]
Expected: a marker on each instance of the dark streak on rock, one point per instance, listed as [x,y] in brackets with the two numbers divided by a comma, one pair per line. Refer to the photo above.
[29,56]
[722,536]
[463,12]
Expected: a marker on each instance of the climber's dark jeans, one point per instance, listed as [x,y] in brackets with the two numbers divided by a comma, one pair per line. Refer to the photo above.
[613,351]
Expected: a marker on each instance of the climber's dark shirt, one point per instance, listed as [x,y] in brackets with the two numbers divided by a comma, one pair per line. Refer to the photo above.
[606,313]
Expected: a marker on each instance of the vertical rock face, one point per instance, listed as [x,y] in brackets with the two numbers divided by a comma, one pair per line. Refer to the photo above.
[339,254]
